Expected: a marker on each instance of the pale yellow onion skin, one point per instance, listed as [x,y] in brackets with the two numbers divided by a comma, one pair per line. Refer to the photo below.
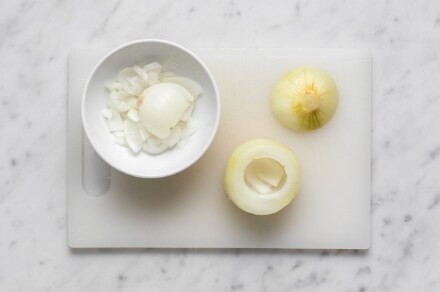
[248,199]
[304,99]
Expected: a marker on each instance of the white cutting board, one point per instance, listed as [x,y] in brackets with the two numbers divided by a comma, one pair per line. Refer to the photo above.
[191,210]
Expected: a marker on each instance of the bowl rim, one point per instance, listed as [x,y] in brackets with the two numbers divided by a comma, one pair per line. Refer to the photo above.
[206,145]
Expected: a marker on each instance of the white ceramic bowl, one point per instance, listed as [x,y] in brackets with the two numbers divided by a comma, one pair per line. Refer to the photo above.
[174,58]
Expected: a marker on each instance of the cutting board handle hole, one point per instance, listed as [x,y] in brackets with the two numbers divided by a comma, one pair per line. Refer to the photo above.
[96,173]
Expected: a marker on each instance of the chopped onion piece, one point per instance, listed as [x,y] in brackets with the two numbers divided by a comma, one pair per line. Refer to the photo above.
[132,136]
[133,103]
[257,185]
[189,128]
[140,72]
[153,79]
[107,113]
[193,87]
[119,134]
[167,74]
[113,86]
[133,115]
[187,113]
[115,123]
[154,145]
[264,175]
[120,140]
[116,104]
[131,81]
[143,132]
[155,67]
[175,137]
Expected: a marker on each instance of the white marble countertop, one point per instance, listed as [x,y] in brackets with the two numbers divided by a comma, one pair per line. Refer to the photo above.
[404,37]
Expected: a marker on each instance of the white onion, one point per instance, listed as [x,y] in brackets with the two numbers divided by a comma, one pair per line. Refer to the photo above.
[162,107]
[150,110]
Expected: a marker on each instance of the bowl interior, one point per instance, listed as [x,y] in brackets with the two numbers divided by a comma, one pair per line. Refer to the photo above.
[205,114]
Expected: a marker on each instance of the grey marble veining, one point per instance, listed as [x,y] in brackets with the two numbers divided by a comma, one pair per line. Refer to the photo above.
[404,37]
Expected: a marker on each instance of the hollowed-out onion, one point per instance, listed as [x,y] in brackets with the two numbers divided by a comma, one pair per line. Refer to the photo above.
[262,176]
